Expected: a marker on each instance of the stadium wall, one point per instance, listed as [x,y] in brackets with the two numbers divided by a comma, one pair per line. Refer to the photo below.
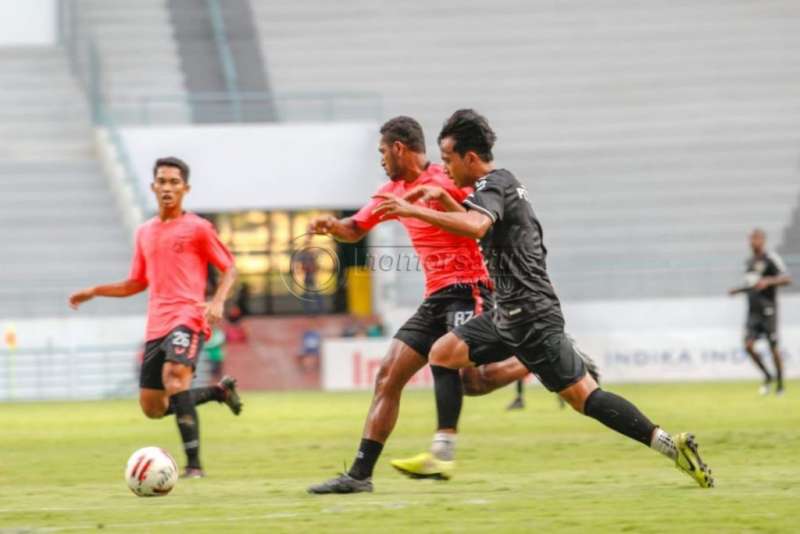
[664,340]
[271,166]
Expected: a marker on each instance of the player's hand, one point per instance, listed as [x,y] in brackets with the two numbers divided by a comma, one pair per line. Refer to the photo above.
[321,225]
[79,297]
[425,193]
[392,206]
[214,311]
[761,285]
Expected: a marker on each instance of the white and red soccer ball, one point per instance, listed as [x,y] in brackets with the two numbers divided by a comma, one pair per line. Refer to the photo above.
[151,472]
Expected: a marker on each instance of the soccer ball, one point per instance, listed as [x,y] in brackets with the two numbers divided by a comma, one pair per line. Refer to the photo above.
[151,472]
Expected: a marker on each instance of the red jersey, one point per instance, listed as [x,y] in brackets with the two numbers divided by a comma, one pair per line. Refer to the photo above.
[172,258]
[447,259]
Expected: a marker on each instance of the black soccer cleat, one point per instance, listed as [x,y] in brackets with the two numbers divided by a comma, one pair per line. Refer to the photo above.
[344,483]
[230,396]
[193,472]
[517,404]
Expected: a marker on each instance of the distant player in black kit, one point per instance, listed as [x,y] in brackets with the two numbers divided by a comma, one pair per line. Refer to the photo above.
[527,320]
[765,273]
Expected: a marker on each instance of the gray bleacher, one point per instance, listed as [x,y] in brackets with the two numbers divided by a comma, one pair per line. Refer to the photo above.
[652,136]
[143,78]
[59,226]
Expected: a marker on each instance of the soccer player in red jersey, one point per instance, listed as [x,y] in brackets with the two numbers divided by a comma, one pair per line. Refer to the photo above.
[171,259]
[456,288]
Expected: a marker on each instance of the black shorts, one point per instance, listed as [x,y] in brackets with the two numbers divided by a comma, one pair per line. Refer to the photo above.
[762,325]
[181,345]
[441,312]
[550,354]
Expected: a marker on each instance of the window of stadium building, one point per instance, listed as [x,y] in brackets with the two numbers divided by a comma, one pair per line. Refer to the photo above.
[282,269]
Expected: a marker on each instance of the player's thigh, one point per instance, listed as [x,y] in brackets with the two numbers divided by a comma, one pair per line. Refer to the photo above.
[181,347]
[487,378]
[555,360]
[475,342]
[152,365]
[423,328]
[398,366]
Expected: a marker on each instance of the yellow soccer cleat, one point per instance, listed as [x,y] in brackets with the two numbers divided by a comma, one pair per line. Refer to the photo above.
[425,465]
[689,461]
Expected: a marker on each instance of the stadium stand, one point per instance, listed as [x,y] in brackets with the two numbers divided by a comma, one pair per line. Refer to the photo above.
[60,227]
[141,66]
[650,153]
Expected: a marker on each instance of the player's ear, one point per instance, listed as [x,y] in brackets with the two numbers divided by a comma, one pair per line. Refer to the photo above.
[398,147]
[153,186]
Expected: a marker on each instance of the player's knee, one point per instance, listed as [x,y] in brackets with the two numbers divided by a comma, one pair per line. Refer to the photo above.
[443,353]
[152,410]
[385,384]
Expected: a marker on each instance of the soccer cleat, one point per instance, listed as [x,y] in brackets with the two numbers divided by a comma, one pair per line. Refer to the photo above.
[517,404]
[193,472]
[231,397]
[425,465]
[689,461]
[779,390]
[344,483]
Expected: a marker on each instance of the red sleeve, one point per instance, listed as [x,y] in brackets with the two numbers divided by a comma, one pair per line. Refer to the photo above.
[138,270]
[215,252]
[366,218]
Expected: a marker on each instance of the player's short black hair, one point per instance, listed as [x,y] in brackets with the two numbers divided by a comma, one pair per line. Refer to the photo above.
[406,130]
[173,162]
[470,132]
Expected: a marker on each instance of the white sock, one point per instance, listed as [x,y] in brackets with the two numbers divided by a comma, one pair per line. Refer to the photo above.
[443,446]
[662,442]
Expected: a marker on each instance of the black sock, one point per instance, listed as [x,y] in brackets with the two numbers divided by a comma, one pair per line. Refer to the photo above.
[520,385]
[449,396]
[620,415]
[208,393]
[367,456]
[186,417]
[199,396]
[760,364]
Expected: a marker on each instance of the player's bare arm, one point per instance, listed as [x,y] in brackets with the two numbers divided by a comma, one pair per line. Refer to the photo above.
[426,193]
[122,289]
[471,223]
[215,308]
[345,230]
[773,281]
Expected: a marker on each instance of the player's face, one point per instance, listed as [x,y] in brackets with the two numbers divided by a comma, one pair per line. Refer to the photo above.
[455,165]
[757,242]
[169,187]
[389,160]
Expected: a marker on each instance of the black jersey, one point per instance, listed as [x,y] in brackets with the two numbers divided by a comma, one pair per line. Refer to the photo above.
[515,253]
[757,267]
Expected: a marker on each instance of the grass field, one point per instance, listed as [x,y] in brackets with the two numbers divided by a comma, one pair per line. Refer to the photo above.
[61,467]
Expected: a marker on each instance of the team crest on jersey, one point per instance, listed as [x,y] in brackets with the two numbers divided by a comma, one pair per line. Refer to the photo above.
[480,184]
[759,266]
[523,193]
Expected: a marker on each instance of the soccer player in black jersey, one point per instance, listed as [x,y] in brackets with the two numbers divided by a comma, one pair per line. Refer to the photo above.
[527,321]
[765,273]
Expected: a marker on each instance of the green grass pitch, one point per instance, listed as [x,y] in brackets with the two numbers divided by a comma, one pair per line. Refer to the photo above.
[542,469]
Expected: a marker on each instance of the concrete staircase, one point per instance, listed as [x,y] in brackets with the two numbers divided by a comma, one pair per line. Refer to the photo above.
[59,227]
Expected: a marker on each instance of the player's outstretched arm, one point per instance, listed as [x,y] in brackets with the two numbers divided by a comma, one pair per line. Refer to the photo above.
[345,230]
[123,289]
[471,223]
[427,193]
